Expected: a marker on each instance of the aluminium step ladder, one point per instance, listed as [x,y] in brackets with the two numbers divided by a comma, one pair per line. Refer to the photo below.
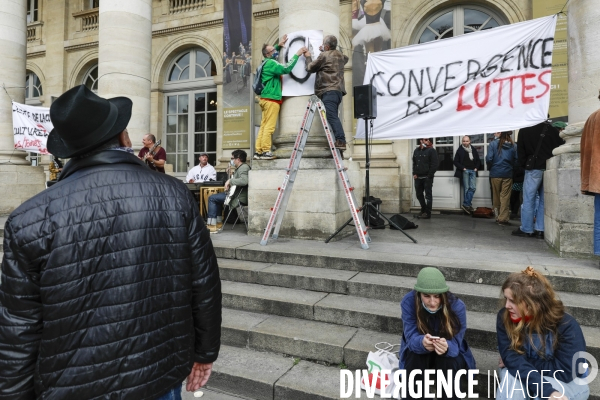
[285,190]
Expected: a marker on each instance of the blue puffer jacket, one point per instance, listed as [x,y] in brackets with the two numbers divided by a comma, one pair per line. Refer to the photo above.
[501,164]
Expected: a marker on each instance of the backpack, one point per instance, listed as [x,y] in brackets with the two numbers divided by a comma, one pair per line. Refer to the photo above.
[402,222]
[258,85]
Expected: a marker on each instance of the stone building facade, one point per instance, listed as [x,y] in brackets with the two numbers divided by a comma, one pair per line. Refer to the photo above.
[138,48]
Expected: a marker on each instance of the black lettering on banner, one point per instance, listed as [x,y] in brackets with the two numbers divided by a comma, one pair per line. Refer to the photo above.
[505,59]
[390,83]
[531,52]
[491,66]
[546,53]
[429,101]
[409,112]
[434,86]
[287,57]
[524,56]
[472,75]
[437,100]
[373,78]
[411,78]
[450,77]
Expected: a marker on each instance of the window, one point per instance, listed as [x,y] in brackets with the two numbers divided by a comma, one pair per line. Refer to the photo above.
[92,4]
[457,21]
[90,80]
[203,66]
[33,88]
[191,110]
[32,11]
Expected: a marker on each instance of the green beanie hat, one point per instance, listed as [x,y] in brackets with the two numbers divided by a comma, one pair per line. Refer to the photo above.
[431,281]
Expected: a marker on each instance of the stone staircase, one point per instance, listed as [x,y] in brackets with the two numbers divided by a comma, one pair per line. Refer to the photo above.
[292,320]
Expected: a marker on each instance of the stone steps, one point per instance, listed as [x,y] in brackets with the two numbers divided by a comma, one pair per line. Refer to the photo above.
[477,297]
[488,271]
[358,312]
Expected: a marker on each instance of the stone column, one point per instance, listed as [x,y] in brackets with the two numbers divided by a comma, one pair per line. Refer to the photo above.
[317,203]
[125,58]
[18,180]
[569,215]
[294,16]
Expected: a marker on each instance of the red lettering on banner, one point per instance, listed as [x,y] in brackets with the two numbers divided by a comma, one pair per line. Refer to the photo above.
[461,106]
[487,95]
[524,98]
[525,87]
[546,84]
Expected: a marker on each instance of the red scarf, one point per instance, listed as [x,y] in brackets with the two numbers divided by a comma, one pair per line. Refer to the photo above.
[517,320]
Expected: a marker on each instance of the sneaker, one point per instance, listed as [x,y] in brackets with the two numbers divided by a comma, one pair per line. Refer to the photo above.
[340,145]
[503,223]
[466,209]
[538,234]
[257,156]
[471,209]
[267,156]
[425,216]
[519,232]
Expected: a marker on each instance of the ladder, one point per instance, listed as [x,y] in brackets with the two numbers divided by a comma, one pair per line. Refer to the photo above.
[285,190]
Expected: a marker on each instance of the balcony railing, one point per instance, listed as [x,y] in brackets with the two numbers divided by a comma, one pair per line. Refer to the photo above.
[34,31]
[87,20]
[179,6]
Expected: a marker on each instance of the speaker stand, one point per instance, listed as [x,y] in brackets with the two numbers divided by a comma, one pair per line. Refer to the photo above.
[367,206]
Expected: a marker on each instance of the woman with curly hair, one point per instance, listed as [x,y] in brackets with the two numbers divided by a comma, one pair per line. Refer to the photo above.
[434,323]
[537,341]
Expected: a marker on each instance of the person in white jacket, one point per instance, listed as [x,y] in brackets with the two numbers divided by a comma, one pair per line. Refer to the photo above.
[202,172]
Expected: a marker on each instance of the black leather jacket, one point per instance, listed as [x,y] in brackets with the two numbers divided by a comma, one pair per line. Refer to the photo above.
[110,286]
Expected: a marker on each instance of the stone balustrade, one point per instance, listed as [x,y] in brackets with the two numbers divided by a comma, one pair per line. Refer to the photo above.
[179,6]
[87,20]
[34,31]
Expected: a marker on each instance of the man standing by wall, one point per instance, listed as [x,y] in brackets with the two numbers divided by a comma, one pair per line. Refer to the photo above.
[110,286]
[329,83]
[590,169]
[535,147]
[270,98]
[425,163]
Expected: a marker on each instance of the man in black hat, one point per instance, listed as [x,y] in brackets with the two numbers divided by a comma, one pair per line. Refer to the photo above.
[202,172]
[110,285]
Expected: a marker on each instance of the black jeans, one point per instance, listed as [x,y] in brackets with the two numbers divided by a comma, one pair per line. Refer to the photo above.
[424,185]
[433,361]
[331,101]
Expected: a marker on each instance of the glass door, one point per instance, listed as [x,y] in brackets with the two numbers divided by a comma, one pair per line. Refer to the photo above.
[191,129]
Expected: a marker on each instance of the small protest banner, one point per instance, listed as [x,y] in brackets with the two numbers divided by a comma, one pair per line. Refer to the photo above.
[481,82]
[31,126]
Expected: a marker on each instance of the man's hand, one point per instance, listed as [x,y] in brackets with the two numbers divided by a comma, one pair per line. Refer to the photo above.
[149,157]
[283,40]
[414,176]
[227,185]
[440,345]
[500,362]
[428,343]
[301,51]
[199,376]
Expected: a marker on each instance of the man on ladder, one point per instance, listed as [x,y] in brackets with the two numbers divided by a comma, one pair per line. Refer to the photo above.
[329,83]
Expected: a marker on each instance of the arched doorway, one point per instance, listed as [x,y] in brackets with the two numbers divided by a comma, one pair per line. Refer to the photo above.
[190,110]
[444,24]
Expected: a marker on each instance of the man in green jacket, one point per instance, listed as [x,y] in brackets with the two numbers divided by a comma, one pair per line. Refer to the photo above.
[239,180]
[270,98]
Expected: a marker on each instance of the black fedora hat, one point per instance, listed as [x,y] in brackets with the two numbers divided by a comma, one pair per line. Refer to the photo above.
[83,120]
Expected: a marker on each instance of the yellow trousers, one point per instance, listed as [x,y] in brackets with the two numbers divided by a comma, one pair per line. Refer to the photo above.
[270,112]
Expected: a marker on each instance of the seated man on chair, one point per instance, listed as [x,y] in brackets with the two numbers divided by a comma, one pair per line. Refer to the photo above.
[202,172]
[239,180]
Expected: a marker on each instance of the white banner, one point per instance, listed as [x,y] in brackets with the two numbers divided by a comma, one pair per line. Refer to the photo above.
[481,82]
[31,126]
[299,82]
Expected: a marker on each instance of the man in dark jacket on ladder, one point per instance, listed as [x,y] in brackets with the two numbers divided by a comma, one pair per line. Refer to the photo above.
[110,286]
[425,163]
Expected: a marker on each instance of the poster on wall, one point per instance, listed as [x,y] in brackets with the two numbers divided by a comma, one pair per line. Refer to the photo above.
[559,93]
[237,69]
[31,126]
[371,32]
[299,82]
[487,81]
